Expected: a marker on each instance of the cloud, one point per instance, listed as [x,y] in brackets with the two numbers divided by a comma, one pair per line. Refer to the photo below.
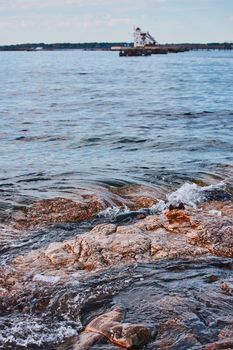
[8,5]
[74,22]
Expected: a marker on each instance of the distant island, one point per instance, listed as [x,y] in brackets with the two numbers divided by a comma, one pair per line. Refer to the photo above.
[106,46]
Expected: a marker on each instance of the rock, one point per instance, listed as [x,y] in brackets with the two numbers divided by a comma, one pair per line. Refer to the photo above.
[180,299]
[225,340]
[177,216]
[174,234]
[226,208]
[110,326]
[104,229]
[57,210]
[136,197]
[180,206]
[227,288]
[140,214]
[130,335]
[87,340]
[62,210]
[216,235]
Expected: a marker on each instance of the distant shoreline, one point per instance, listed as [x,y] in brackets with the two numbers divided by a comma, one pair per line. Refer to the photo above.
[106,46]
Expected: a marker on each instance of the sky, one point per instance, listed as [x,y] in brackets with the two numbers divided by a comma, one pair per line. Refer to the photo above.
[50,21]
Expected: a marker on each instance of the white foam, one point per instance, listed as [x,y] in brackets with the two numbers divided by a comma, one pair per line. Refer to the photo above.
[158,208]
[27,332]
[188,194]
[47,279]
[112,212]
[191,194]
[215,212]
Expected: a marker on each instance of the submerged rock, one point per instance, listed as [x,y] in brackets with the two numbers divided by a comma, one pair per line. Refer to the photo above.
[57,210]
[85,206]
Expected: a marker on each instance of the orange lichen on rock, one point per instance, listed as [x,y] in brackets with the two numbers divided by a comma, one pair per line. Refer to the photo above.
[179,221]
[177,216]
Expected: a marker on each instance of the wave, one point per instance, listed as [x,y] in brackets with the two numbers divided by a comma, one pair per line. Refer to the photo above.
[190,195]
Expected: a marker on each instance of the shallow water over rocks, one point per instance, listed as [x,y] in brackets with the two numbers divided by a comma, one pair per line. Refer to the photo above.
[159,269]
[182,300]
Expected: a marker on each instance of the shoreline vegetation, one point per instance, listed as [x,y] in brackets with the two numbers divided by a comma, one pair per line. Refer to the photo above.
[106,46]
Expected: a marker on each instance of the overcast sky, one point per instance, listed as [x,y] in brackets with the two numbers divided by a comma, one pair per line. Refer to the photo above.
[113,20]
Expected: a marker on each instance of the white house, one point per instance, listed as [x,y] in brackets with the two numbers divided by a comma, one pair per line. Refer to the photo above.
[142,39]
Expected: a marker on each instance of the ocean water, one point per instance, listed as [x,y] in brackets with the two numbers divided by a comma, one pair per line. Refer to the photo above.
[75,122]
[78,119]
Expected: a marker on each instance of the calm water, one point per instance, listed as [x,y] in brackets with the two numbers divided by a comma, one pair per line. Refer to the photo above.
[78,119]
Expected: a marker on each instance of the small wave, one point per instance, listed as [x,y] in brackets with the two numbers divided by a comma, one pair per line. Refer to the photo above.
[42,138]
[189,194]
[192,195]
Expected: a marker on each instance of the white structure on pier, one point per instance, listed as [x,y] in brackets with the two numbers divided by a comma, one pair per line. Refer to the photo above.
[142,39]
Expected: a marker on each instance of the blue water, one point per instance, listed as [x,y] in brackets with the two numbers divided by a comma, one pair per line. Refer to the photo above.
[73,121]
[77,119]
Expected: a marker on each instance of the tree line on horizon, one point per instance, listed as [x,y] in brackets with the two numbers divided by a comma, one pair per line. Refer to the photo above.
[108,45]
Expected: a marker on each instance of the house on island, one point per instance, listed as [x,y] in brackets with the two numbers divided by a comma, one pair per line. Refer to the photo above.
[142,39]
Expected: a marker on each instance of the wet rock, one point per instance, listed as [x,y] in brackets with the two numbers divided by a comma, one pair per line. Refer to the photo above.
[140,214]
[57,210]
[87,340]
[227,288]
[217,195]
[179,221]
[220,345]
[173,234]
[104,229]
[216,235]
[106,245]
[226,208]
[180,206]
[178,217]
[159,267]
[84,207]
[136,197]
[110,326]
[180,298]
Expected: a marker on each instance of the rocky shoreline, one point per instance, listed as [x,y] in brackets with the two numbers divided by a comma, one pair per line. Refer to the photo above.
[152,276]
